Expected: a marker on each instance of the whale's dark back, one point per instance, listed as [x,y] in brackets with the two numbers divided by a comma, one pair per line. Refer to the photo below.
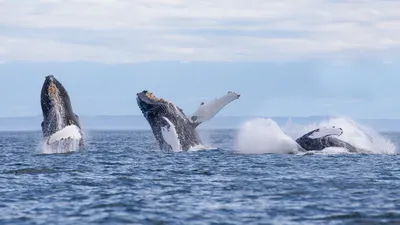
[56,107]
[318,144]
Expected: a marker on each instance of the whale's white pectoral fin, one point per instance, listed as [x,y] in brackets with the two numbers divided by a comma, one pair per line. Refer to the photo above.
[207,111]
[171,136]
[69,132]
[326,131]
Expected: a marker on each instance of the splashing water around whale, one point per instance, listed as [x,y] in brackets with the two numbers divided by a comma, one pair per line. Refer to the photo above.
[63,141]
[66,139]
[265,136]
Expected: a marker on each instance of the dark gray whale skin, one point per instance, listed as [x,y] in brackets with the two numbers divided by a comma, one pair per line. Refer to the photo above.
[161,114]
[154,111]
[318,144]
[54,98]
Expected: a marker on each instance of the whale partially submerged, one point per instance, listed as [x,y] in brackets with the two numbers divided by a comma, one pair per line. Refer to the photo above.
[60,124]
[321,138]
[173,130]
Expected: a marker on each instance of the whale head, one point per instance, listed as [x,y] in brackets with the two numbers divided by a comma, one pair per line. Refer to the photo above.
[53,93]
[149,103]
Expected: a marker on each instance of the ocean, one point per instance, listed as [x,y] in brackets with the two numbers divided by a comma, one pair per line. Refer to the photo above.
[122,177]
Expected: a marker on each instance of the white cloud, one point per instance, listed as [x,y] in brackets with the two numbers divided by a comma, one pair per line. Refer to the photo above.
[118,31]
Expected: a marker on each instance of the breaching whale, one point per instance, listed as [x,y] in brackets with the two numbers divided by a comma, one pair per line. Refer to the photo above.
[322,138]
[60,124]
[173,130]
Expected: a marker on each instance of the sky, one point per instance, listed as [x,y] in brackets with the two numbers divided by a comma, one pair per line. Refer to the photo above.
[285,58]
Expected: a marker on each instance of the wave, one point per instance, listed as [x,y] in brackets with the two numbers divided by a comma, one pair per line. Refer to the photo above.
[201,148]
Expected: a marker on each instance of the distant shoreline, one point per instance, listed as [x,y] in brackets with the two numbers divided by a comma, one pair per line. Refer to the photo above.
[218,116]
[137,122]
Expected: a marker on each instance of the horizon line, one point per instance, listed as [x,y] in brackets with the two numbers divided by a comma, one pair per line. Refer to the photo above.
[218,116]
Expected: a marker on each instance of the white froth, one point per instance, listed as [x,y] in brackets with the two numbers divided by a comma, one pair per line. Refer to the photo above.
[261,135]
[328,151]
[201,148]
[63,141]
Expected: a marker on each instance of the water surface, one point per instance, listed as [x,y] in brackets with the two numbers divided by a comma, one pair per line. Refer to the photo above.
[122,178]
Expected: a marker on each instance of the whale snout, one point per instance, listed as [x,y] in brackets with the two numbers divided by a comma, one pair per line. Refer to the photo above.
[141,93]
[147,100]
[53,93]
[50,79]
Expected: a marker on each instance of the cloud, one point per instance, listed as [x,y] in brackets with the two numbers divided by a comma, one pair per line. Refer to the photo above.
[125,31]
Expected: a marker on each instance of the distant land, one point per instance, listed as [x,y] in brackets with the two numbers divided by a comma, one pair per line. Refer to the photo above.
[136,122]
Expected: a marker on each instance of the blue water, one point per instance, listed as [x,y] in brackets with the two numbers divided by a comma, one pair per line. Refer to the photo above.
[123,178]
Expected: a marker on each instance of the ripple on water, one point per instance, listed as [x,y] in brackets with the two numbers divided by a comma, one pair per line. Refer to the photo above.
[121,178]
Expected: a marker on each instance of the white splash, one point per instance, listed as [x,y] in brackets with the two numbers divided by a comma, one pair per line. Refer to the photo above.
[328,151]
[355,134]
[63,141]
[171,136]
[201,148]
[264,136]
